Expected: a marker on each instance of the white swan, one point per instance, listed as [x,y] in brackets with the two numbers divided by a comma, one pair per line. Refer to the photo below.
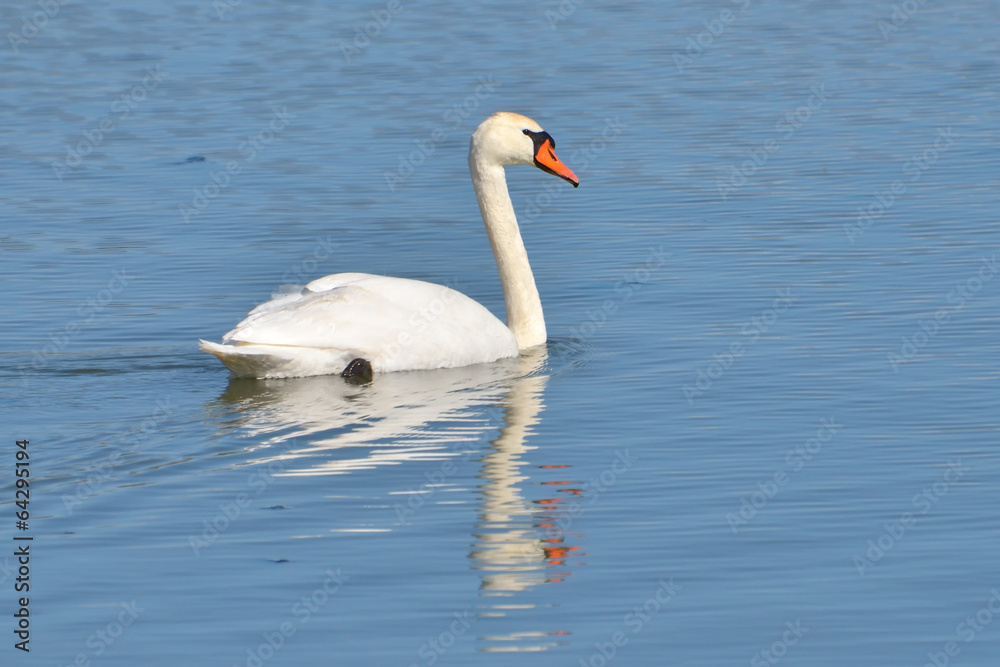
[356,323]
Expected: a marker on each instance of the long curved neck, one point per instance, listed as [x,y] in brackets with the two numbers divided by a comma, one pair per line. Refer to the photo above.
[524,307]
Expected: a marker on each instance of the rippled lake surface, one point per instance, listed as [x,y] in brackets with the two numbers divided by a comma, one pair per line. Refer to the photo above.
[764,429]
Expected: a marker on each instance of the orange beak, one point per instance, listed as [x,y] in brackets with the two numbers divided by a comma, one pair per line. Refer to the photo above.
[546,160]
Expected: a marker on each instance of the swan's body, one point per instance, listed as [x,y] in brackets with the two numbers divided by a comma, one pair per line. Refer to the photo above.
[394,323]
[399,324]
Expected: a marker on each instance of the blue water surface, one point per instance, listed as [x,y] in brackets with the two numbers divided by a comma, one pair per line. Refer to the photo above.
[763,431]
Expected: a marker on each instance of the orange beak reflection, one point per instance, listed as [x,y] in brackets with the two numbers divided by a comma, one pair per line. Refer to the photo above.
[546,160]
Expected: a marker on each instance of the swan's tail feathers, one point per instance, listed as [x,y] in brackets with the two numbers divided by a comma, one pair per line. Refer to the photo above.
[276,361]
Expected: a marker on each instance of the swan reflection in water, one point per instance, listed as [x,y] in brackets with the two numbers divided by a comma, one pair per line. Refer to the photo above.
[325,426]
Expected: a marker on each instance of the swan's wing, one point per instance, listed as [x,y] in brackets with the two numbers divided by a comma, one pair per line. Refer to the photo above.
[395,323]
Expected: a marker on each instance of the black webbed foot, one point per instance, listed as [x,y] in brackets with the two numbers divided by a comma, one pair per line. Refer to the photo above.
[359,371]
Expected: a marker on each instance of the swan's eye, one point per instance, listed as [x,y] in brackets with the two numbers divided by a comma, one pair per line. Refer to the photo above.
[539,138]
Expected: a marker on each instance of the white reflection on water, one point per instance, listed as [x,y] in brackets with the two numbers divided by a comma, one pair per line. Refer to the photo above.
[325,426]
[511,549]
[332,427]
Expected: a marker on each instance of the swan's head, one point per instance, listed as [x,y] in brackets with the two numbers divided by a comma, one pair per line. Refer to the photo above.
[510,138]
